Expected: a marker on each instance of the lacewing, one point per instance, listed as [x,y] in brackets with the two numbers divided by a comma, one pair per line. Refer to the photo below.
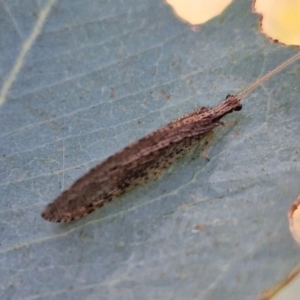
[139,161]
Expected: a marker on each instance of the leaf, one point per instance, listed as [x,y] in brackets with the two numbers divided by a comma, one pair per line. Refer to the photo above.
[98,75]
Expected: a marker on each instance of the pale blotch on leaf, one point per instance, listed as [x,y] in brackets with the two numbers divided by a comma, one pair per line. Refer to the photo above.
[286,289]
[294,219]
[198,12]
[280,19]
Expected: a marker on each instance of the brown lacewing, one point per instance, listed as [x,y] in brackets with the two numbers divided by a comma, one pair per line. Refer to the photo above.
[145,158]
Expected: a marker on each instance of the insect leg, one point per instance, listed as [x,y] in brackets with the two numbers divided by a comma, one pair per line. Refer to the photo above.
[208,136]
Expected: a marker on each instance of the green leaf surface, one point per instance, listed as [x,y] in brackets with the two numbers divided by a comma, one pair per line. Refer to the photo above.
[80,80]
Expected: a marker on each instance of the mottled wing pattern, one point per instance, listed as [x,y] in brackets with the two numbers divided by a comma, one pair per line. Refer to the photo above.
[136,163]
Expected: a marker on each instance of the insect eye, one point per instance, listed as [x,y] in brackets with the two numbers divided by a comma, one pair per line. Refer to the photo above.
[238,108]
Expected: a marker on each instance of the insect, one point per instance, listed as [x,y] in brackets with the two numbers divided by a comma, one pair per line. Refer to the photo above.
[134,164]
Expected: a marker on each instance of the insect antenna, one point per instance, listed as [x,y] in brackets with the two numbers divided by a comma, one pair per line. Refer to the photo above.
[244,93]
